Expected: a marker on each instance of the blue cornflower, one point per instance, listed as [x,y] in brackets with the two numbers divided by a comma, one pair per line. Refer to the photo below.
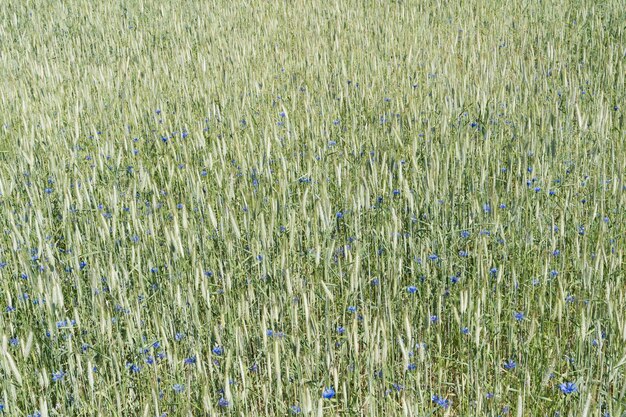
[411,367]
[341,329]
[328,393]
[178,388]
[493,271]
[133,368]
[509,365]
[351,309]
[465,234]
[537,189]
[440,401]
[295,409]
[434,319]
[57,376]
[433,257]
[269,332]
[487,208]
[465,330]
[179,206]
[397,387]
[489,395]
[411,289]
[154,269]
[339,215]
[463,254]
[223,402]
[519,315]
[190,360]
[218,350]
[568,388]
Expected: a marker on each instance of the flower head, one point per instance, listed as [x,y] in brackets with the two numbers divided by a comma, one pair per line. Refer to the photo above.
[440,401]
[568,388]
[57,376]
[328,393]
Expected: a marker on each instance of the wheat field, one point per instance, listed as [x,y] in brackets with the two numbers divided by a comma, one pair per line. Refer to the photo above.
[316,208]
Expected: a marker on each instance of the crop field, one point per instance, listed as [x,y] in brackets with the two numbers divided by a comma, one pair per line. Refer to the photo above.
[312,208]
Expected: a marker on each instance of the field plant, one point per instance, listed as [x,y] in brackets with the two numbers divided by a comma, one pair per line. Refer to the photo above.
[316,208]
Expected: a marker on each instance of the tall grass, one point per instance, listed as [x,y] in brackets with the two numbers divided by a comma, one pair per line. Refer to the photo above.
[230,207]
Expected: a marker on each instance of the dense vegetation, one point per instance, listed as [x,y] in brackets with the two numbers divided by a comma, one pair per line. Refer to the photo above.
[316,208]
